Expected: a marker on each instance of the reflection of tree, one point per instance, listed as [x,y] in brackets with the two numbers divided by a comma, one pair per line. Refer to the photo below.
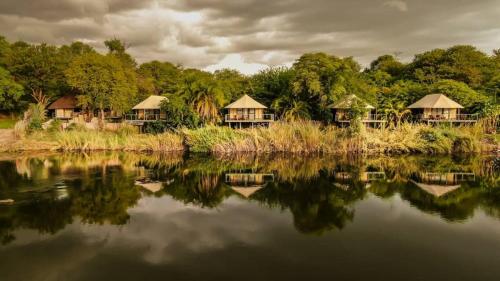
[319,191]
[455,206]
[317,206]
[104,196]
[46,216]
[197,188]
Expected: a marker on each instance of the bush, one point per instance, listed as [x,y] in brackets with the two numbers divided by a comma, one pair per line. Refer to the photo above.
[156,127]
[127,130]
[35,125]
[55,126]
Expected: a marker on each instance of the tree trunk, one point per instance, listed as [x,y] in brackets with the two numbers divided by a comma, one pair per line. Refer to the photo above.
[39,97]
[101,118]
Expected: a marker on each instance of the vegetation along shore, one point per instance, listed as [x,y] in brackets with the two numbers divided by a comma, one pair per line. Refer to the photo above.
[295,137]
[73,98]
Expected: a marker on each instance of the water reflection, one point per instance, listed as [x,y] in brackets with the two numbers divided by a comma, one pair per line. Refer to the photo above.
[48,192]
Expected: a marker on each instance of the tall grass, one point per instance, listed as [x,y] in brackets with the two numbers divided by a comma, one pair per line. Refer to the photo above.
[105,140]
[311,137]
[293,137]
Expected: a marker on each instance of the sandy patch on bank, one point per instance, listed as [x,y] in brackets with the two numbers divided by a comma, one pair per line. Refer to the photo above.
[6,136]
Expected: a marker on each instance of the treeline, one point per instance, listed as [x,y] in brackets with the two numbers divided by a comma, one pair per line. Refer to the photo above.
[41,73]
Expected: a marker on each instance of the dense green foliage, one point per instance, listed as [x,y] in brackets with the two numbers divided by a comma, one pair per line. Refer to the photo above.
[306,90]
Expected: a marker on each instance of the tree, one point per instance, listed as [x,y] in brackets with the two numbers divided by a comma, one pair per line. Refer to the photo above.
[290,108]
[179,113]
[321,79]
[208,100]
[232,83]
[4,50]
[387,64]
[203,93]
[118,48]
[492,89]
[394,100]
[164,76]
[271,84]
[39,68]
[103,81]
[10,92]
[459,92]
[461,63]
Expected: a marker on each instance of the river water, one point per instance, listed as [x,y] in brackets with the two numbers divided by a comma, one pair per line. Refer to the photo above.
[124,216]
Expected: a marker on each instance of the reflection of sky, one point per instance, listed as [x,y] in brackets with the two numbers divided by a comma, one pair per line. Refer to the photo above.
[244,240]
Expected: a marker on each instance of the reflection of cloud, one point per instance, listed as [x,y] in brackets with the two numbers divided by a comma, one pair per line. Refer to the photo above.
[162,229]
[242,239]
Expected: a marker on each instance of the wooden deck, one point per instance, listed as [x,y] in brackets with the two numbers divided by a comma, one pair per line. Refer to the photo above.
[137,119]
[371,118]
[457,118]
[249,118]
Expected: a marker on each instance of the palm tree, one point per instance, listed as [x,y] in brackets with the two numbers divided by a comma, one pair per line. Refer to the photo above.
[291,108]
[203,93]
[396,112]
[207,99]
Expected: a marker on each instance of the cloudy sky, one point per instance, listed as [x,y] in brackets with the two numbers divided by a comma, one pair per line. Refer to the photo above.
[251,34]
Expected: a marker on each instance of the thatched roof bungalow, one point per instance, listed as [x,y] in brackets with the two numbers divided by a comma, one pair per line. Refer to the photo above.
[341,109]
[65,107]
[438,108]
[249,111]
[148,109]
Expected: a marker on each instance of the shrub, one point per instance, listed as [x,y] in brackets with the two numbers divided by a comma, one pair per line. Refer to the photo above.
[127,130]
[35,125]
[156,127]
[55,126]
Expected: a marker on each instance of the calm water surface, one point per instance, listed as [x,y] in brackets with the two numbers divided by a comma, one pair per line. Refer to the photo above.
[280,217]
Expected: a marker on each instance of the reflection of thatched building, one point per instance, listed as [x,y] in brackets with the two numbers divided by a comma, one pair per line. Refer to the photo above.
[364,177]
[440,184]
[247,184]
[153,186]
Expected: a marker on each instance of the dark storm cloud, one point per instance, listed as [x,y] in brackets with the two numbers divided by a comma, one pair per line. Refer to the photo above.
[198,33]
[54,10]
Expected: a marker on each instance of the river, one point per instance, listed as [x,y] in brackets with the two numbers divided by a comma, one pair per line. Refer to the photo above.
[126,216]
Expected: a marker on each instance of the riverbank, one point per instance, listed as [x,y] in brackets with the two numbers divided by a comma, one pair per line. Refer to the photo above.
[297,137]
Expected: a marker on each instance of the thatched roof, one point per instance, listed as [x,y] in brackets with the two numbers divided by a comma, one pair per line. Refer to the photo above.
[347,101]
[435,189]
[435,101]
[152,102]
[246,102]
[153,186]
[246,191]
[64,102]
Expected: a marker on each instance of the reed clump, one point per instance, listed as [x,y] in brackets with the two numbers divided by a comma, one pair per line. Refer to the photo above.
[290,137]
[312,137]
[123,139]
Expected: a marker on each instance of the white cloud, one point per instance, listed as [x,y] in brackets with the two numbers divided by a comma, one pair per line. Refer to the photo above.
[236,61]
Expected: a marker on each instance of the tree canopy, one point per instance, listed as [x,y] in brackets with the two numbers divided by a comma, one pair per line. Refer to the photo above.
[305,90]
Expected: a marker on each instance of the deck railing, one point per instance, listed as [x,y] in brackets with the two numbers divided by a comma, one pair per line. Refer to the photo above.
[449,117]
[249,117]
[145,117]
[369,117]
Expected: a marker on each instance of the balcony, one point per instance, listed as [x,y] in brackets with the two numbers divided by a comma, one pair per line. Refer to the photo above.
[464,118]
[148,117]
[249,117]
[369,118]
